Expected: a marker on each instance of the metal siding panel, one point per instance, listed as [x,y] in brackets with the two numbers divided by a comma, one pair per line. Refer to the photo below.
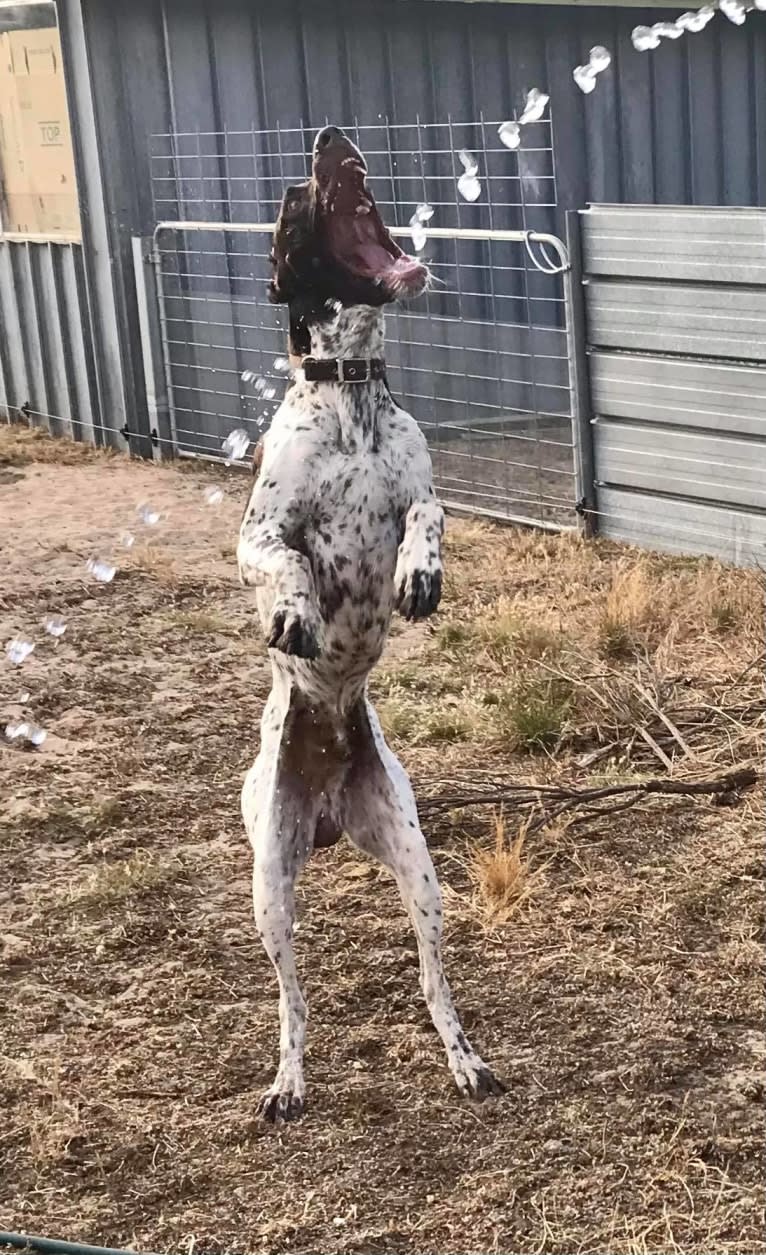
[712,245]
[669,318]
[702,57]
[720,469]
[76,329]
[684,527]
[707,395]
[602,113]
[12,340]
[736,109]
[633,71]
[562,48]
[24,282]
[105,280]
[138,35]
[51,338]
[669,135]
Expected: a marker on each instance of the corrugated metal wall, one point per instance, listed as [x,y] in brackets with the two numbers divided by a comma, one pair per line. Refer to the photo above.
[682,124]
[676,302]
[46,358]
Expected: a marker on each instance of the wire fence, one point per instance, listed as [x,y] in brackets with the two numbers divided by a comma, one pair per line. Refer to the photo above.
[482,361]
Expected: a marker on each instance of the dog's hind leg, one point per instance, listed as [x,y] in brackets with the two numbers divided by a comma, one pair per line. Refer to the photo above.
[380,817]
[280,820]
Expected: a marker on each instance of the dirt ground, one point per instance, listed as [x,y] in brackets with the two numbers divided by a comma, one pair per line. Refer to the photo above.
[608,965]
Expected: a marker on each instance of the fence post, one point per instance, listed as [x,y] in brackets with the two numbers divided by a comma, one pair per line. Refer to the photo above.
[585,475]
[158,398]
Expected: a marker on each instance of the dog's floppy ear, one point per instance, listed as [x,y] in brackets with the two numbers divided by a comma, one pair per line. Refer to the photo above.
[293,237]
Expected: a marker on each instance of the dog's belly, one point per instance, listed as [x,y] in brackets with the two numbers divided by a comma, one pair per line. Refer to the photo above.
[354,579]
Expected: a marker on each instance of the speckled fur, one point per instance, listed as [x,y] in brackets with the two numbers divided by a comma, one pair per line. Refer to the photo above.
[341,529]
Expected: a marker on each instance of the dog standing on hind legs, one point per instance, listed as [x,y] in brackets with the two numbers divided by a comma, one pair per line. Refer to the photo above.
[341,529]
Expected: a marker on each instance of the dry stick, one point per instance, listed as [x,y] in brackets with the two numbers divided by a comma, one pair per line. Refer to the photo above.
[526,795]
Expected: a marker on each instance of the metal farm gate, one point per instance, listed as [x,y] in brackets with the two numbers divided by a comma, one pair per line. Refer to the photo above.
[486,361]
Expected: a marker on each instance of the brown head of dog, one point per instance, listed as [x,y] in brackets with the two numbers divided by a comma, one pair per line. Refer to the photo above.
[330,246]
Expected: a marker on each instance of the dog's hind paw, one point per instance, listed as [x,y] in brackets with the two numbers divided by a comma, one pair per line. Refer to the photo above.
[476,1081]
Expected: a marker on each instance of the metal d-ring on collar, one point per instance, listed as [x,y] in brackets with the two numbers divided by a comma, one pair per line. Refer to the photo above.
[343,369]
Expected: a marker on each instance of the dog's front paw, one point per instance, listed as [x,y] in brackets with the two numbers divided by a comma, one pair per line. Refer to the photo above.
[294,630]
[418,593]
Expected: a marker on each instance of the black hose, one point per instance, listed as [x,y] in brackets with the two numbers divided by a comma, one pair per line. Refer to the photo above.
[54,1246]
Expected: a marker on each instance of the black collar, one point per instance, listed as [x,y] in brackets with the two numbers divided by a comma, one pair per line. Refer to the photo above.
[343,369]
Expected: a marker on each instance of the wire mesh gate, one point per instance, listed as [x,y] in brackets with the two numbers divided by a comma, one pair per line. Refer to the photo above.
[483,361]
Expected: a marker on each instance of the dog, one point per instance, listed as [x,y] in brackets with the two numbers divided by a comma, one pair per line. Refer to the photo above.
[341,528]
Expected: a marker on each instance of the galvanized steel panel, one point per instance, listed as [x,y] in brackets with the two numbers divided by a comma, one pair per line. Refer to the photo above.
[688,393]
[719,468]
[674,318]
[687,527]
[708,245]
[46,352]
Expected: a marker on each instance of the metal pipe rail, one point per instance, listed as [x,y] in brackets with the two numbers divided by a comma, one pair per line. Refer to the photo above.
[55,1246]
[527,238]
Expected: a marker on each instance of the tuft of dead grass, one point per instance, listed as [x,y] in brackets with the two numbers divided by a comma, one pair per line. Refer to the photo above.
[625,613]
[155,563]
[200,622]
[501,878]
[138,874]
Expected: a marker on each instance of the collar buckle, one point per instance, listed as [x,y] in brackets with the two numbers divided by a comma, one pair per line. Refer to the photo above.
[354,369]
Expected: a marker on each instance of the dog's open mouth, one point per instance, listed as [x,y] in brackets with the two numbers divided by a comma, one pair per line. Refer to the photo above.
[356,236]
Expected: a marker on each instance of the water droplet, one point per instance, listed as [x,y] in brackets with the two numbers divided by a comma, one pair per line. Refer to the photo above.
[643,38]
[534,106]
[669,30]
[510,134]
[213,496]
[599,59]
[54,625]
[282,365]
[25,730]
[418,229]
[147,514]
[468,161]
[469,186]
[585,78]
[127,540]
[734,10]
[19,649]
[101,570]
[236,444]
[695,22]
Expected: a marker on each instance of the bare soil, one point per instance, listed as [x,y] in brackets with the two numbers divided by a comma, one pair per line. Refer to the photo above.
[617,986]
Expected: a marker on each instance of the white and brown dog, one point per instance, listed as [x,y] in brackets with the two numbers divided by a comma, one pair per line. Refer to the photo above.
[341,529]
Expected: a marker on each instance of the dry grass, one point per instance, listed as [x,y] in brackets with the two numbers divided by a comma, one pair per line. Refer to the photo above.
[500,875]
[199,622]
[22,446]
[153,561]
[111,882]
[610,969]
